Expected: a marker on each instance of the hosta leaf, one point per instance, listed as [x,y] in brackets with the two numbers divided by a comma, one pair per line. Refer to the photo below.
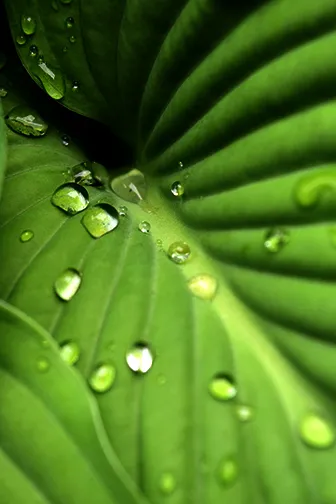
[3,148]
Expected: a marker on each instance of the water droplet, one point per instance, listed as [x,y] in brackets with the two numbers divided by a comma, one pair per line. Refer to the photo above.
[72,198]
[100,174]
[51,79]
[28,25]
[33,51]
[66,2]
[316,432]
[180,165]
[162,380]
[26,121]
[75,86]
[244,412]
[144,227]
[102,378]
[131,186]
[100,219]
[312,188]
[222,388]
[167,483]
[3,92]
[139,358]
[26,236]
[69,22]
[82,174]
[3,60]
[72,39]
[70,352]
[179,252]
[65,140]
[43,365]
[45,343]
[54,5]
[123,211]
[228,472]
[65,49]
[21,40]
[275,240]
[203,286]
[67,284]
[177,189]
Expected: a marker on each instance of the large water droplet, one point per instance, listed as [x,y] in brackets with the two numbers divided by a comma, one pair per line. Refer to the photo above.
[177,189]
[228,471]
[71,198]
[222,387]
[24,120]
[42,365]
[21,40]
[28,25]
[70,352]
[203,286]
[69,22]
[67,284]
[167,483]
[275,240]
[82,174]
[33,51]
[179,252]
[311,189]
[131,186]
[244,412]
[100,219]
[139,358]
[51,79]
[316,432]
[144,227]
[102,378]
[26,235]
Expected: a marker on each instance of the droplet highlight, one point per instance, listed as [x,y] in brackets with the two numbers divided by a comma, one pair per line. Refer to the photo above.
[102,378]
[144,227]
[28,25]
[100,220]
[276,240]
[69,351]
[244,412]
[71,198]
[203,286]
[42,365]
[26,121]
[177,189]
[26,236]
[139,358]
[65,140]
[167,483]
[75,86]
[67,284]
[179,252]
[316,432]
[130,187]
[228,472]
[222,387]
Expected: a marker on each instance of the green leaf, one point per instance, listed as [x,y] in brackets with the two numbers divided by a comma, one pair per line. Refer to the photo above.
[50,453]
[3,149]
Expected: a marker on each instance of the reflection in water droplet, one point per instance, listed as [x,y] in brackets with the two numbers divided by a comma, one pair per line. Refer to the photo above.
[102,378]
[123,211]
[26,121]
[130,187]
[82,174]
[51,79]
[203,286]
[312,188]
[75,86]
[21,40]
[167,483]
[43,365]
[71,198]
[228,472]
[3,92]
[177,189]
[26,235]
[244,412]
[100,219]
[33,51]
[67,284]
[316,432]
[72,39]
[65,140]
[28,25]
[179,252]
[139,358]
[69,22]
[144,227]
[222,387]
[275,240]
[70,352]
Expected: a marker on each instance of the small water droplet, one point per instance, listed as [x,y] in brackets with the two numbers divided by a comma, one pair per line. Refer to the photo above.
[123,211]
[43,365]
[21,40]
[144,227]
[33,51]
[244,412]
[28,25]
[316,432]
[167,483]
[54,5]
[75,86]
[228,471]
[100,220]
[139,358]
[177,189]
[180,165]
[26,236]
[51,79]
[70,352]
[26,121]
[275,240]
[203,286]
[162,380]
[102,378]
[222,387]
[69,22]
[71,198]
[45,343]
[72,39]
[179,252]
[130,187]
[65,49]
[3,92]
[65,140]
[67,284]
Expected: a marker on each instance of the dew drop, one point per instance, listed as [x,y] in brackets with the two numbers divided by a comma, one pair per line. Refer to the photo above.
[45,343]
[21,40]
[181,165]
[316,432]
[72,39]
[222,387]
[244,412]
[130,187]
[69,22]
[65,140]
[26,236]
[28,25]
[144,227]
[75,86]
[179,252]
[65,49]
[3,92]
[100,220]
[139,358]
[67,284]
[228,472]
[123,211]
[177,189]
[102,378]
[275,240]
[51,79]
[71,198]
[26,121]
[203,286]
[167,483]
[33,51]
[70,352]
[83,174]
[43,365]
